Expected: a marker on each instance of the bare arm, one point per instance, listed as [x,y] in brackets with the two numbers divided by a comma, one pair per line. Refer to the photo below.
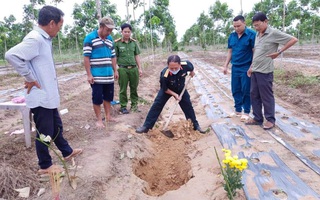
[87,66]
[114,67]
[285,47]
[172,93]
[228,59]
[137,58]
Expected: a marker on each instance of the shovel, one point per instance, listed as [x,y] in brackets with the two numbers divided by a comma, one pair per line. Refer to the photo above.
[164,130]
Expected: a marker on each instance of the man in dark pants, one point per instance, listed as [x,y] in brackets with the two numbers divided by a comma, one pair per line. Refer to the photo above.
[240,53]
[172,81]
[261,71]
[32,58]
[101,66]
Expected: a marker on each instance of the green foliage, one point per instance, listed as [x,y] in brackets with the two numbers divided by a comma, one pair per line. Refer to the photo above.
[232,172]
[86,16]
[7,76]
[295,79]
[143,101]
[210,29]
[233,176]
[159,19]
[175,46]
[301,20]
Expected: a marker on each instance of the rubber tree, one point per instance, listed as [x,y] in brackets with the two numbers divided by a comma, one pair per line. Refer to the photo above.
[191,36]
[86,16]
[98,7]
[221,16]
[301,17]
[159,18]
[274,9]
[135,4]
[11,33]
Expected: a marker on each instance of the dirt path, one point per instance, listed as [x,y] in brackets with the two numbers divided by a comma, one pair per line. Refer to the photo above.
[117,163]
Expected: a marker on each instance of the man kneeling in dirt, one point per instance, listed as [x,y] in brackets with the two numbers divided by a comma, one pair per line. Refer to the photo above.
[32,59]
[172,83]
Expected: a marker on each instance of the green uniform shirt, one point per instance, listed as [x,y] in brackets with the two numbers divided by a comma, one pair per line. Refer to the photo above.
[266,45]
[126,52]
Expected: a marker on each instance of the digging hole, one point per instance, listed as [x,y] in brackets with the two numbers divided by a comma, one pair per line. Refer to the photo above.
[163,174]
[169,166]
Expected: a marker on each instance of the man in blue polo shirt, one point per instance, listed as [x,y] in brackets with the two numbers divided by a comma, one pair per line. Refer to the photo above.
[240,53]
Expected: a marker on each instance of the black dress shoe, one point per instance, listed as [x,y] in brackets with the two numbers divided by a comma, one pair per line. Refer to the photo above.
[124,111]
[199,129]
[142,129]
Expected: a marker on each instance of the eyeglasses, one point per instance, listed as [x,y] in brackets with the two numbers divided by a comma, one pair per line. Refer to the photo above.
[257,24]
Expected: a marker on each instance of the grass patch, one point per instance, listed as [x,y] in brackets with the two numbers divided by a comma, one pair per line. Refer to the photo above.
[295,79]
[143,101]
[6,79]
[70,69]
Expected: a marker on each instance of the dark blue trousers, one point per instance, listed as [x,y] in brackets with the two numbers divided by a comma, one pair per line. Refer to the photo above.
[48,122]
[262,95]
[240,87]
[161,100]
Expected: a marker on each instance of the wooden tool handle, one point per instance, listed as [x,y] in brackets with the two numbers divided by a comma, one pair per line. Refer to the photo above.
[176,104]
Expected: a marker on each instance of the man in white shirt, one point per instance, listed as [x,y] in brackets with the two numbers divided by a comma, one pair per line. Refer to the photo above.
[32,59]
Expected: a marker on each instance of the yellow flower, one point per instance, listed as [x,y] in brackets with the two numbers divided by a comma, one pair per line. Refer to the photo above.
[227,152]
[244,161]
[229,159]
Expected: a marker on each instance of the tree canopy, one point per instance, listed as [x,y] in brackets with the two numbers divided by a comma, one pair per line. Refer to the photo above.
[156,25]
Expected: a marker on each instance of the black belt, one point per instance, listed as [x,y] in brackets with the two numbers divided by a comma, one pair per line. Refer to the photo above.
[128,67]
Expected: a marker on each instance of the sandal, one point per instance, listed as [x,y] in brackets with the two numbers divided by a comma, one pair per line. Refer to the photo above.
[234,114]
[244,117]
[253,122]
[50,169]
[74,153]
[268,125]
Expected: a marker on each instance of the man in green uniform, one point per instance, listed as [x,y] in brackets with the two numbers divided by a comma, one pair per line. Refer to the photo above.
[128,60]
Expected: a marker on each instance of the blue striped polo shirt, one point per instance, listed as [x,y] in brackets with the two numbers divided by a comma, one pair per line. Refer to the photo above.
[100,52]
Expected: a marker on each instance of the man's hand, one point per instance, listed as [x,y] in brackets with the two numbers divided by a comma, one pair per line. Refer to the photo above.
[274,55]
[140,72]
[192,74]
[90,79]
[29,85]
[225,70]
[249,72]
[177,97]
[116,75]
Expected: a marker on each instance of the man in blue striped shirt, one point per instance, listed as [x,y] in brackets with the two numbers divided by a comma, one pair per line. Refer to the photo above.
[32,59]
[100,64]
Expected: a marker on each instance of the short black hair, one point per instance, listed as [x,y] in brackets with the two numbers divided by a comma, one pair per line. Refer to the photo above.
[125,25]
[239,17]
[48,13]
[174,58]
[259,16]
